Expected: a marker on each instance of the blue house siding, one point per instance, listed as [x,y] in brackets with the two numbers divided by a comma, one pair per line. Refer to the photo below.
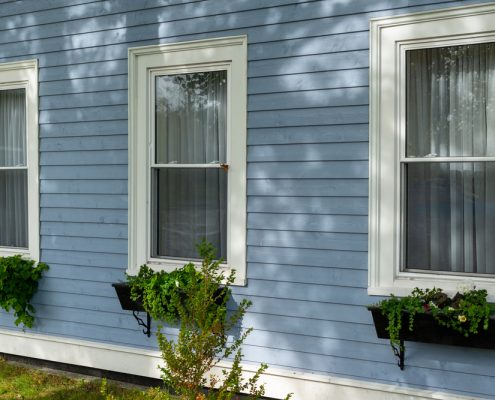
[307,176]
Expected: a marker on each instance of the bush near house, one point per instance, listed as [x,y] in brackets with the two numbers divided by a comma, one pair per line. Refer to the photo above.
[196,299]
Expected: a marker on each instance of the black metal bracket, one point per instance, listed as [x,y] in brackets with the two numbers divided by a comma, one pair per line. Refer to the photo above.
[147,325]
[399,352]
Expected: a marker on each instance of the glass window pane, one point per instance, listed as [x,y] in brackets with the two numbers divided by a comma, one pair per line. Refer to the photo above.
[190,205]
[450,104]
[12,128]
[450,214]
[191,118]
[13,208]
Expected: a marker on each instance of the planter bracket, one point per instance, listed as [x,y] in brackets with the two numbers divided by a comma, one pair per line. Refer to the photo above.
[399,352]
[127,303]
[147,325]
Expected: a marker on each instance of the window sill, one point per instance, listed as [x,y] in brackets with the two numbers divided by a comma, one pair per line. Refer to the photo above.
[13,251]
[404,282]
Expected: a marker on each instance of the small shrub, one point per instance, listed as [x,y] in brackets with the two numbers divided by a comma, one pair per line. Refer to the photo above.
[202,340]
[18,283]
[197,300]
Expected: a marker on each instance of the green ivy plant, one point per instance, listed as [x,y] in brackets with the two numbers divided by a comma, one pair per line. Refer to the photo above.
[465,313]
[154,289]
[18,283]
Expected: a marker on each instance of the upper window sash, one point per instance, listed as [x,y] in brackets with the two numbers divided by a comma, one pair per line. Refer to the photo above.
[391,37]
[152,114]
[400,72]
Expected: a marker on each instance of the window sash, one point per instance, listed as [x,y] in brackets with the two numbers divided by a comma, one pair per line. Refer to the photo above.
[14,212]
[191,117]
[202,213]
[165,71]
[14,191]
[14,76]
[155,167]
[13,125]
[438,71]
[470,205]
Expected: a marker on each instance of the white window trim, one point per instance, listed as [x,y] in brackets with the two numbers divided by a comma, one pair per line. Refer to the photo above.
[231,54]
[15,75]
[390,38]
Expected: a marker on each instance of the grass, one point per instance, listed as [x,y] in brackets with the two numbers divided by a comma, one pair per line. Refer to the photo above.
[21,382]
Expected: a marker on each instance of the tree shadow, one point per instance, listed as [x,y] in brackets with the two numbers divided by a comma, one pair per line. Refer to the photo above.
[307,172]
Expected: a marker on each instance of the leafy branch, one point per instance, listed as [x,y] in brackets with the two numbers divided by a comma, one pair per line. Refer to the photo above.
[18,283]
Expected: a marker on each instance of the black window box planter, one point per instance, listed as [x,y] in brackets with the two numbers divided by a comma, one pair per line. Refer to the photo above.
[123,291]
[427,330]
[124,294]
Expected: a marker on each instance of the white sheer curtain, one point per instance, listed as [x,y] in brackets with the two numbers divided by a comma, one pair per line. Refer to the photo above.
[13,180]
[451,113]
[191,203]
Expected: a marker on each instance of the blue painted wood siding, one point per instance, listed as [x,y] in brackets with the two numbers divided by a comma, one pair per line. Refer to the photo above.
[307,176]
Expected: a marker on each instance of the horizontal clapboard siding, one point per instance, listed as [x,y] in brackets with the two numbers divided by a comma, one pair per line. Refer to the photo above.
[307,176]
[313,134]
[286,186]
[309,205]
[93,230]
[110,186]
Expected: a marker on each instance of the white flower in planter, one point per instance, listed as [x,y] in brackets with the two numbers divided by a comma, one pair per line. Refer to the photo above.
[465,286]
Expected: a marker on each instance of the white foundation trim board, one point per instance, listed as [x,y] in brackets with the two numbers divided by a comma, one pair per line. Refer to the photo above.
[143,362]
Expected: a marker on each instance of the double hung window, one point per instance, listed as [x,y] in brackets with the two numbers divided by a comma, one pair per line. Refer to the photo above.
[189,173]
[187,145]
[432,150]
[19,159]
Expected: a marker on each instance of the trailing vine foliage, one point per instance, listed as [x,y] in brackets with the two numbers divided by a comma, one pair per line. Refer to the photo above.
[465,313]
[18,283]
[196,300]
[394,309]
